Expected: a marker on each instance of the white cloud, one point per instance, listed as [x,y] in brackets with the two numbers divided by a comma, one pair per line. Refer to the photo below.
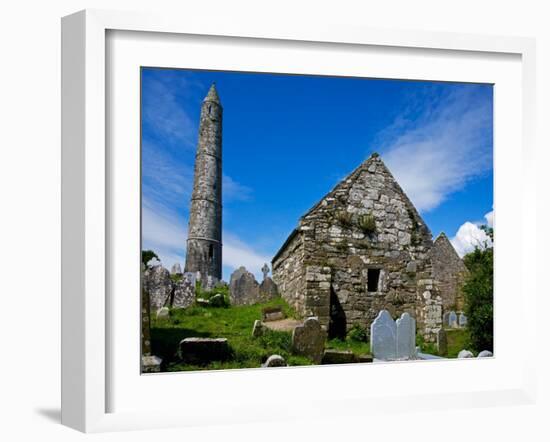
[468,237]
[435,149]
[490,217]
[165,233]
[234,191]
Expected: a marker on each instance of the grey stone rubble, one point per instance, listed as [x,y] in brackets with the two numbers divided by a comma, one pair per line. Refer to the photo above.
[163,313]
[204,237]
[393,340]
[485,354]
[203,350]
[309,340]
[272,314]
[150,364]
[462,320]
[465,354]
[243,288]
[274,361]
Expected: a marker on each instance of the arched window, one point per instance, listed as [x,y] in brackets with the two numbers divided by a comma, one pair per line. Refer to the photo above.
[210,252]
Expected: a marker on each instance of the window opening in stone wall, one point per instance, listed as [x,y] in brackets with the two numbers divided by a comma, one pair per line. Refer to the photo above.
[373,279]
[210,252]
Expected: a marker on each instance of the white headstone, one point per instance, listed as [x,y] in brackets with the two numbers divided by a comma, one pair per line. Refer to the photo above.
[462,320]
[406,334]
[383,333]
[453,320]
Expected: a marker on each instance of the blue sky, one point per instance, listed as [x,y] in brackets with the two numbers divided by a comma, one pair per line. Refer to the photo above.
[288,140]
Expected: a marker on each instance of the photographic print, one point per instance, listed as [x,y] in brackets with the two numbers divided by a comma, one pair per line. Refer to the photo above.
[291,220]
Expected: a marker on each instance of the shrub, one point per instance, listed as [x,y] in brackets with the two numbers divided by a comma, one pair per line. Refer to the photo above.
[367,223]
[358,333]
[344,218]
[478,294]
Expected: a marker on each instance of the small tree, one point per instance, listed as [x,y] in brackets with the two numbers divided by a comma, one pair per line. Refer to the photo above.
[478,292]
[147,255]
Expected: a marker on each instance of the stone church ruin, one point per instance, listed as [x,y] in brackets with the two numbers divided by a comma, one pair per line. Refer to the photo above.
[364,248]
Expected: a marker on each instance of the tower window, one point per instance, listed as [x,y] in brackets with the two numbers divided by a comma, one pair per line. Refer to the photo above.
[210,252]
[373,280]
[209,109]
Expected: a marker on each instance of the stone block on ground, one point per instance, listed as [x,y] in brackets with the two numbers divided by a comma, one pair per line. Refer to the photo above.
[465,354]
[204,350]
[150,364]
[275,361]
[272,314]
[364,358]
[331,356]
[309,340]
[485,354]
[243,288]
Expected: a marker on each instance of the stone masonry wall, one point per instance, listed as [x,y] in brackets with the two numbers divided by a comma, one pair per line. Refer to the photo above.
[449,272]
[336,235]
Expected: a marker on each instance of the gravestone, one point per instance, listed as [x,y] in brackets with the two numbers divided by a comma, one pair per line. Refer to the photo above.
[465,354]
[268,290]
[462,320]
[258,329]
[442,341]
[405,337]
[274,361]
[309,340]
[243,288]
[485,354]
[184,293]
[383,337]
[265,270]
[453,320]
[191,276]
[157,282]
[163,313]
[176,269]
[204,350]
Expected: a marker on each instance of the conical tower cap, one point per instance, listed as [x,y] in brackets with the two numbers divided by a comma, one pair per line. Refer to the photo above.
[212,94]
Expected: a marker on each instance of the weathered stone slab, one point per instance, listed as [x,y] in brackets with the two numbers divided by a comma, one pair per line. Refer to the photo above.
[364,358]
[201,302]
[243,288]
[462,320]
[331,356]
[274,361]
[465,354]
[204,350]
[150,364]
[309,340]
[485,354]
[383,337]
[184,293]
[272,314]
[442,342]
[268,290]
[176,269]
[406,334]
[453,320]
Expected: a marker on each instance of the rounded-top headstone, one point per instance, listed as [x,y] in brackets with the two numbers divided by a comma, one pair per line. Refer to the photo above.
[383,337]
[485,354]
[465,354]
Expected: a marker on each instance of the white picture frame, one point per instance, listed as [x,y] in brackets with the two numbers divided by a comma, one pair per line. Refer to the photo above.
[87,207]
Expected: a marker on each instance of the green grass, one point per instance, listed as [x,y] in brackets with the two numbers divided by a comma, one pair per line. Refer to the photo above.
[234,323]
[457,339]
[357,347]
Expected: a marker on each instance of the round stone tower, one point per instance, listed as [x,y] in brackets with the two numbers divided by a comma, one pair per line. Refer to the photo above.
[204,240]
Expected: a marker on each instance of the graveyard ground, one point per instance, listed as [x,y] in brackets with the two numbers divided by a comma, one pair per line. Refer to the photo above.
[234,323]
